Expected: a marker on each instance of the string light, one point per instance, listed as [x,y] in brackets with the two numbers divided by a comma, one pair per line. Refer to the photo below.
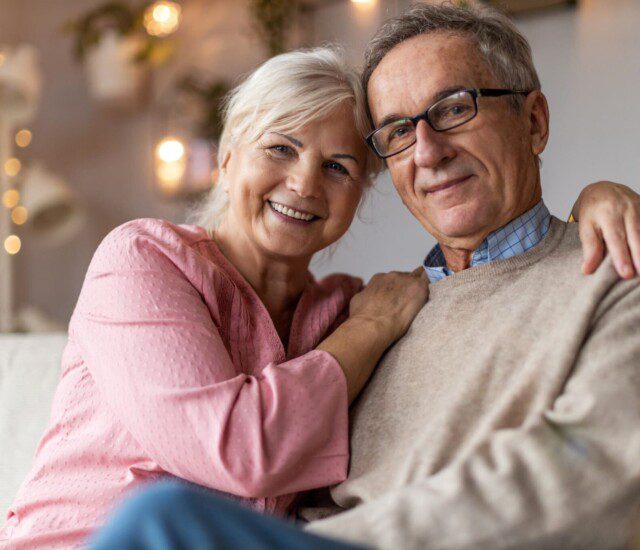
[23,138]
[162,18]
[170,150]
[12,167]
[171,164]
[19,215]
[12,244]
[10,198]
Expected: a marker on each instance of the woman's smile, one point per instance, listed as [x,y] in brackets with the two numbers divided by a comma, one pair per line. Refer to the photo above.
[291,215]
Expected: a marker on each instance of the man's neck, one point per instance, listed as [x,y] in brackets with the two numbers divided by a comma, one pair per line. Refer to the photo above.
[458,258]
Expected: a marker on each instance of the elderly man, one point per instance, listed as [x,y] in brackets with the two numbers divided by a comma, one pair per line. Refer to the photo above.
[509,414]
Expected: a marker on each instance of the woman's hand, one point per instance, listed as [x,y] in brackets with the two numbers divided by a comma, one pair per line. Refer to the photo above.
[378,316]
[609,214]
[393,299]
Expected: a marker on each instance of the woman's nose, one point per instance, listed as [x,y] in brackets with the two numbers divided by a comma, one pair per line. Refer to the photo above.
[432,148]
[305,181]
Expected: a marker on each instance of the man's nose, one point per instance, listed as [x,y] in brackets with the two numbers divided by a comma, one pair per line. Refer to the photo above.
[305,181]
[432,148]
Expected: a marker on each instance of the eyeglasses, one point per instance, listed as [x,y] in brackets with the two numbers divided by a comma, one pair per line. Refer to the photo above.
[448,113]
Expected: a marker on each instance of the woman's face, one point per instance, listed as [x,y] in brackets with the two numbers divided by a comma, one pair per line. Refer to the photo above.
[292,194]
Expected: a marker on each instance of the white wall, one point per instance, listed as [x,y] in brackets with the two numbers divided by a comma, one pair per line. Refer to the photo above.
[588,59]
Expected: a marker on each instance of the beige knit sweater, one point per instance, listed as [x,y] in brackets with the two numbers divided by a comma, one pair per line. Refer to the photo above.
[507,417]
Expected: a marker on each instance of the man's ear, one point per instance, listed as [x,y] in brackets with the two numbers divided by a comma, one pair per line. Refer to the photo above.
[536,110]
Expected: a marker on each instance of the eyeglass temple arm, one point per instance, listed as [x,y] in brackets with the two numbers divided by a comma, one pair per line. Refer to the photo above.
[494,92]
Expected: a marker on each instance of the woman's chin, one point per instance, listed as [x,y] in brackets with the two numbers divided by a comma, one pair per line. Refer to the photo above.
[285,249]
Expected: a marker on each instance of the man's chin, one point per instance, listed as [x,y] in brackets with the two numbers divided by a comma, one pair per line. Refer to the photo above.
[460,223]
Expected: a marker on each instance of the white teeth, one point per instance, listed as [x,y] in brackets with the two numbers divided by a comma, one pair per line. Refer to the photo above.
[291,212]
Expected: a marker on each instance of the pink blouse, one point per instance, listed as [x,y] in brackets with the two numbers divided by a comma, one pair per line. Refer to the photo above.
[173,367]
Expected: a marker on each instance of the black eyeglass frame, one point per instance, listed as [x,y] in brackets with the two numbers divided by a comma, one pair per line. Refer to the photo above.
[475,93]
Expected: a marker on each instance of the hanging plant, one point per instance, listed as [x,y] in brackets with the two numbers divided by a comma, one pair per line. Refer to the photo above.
[209,97]
[273,21]
[116,51]
[121,19]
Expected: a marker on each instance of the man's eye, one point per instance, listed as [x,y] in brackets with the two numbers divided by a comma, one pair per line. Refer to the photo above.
[454,111]
[399,132]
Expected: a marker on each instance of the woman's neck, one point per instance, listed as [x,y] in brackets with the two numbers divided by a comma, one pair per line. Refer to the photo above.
[277,282]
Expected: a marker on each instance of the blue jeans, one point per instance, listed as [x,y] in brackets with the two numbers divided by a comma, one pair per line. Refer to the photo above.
[175,516]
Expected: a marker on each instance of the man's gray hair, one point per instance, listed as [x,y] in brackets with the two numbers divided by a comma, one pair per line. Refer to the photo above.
[506,52]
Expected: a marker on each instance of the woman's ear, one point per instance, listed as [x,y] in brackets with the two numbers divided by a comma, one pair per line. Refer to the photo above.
[223,170]
[536,110]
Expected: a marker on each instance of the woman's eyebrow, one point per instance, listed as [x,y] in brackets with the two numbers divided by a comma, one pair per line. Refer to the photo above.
[345,156]
[293,140]
[298,143]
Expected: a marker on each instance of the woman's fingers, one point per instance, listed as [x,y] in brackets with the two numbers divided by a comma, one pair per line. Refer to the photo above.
[632,224]
[610,217]
[592,247]
[615,238]
[419,272]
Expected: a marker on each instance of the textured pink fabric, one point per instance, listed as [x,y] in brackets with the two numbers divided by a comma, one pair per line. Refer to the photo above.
[174,368]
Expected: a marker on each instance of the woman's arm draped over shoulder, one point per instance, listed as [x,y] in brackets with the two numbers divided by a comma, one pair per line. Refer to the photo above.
[609,215]
[155,354]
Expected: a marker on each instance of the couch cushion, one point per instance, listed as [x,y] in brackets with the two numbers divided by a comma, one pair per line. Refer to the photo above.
[29,373]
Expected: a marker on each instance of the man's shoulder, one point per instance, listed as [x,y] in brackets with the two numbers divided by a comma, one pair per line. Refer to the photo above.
[569,248]
[564,260]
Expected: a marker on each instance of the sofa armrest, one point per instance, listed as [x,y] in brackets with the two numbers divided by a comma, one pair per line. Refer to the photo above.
[29,373]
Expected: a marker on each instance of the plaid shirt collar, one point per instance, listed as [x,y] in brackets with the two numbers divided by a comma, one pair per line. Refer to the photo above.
[518,236]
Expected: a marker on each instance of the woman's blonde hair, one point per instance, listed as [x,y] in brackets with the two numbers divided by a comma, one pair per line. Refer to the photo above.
[284,94]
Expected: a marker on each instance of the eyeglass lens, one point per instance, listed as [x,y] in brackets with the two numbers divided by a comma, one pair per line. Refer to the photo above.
[447,113]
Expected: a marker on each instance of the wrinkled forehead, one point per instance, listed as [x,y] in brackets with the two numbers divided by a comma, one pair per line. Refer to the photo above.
[416,72]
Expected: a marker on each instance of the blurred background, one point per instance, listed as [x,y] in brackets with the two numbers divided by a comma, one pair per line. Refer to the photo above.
[108,112]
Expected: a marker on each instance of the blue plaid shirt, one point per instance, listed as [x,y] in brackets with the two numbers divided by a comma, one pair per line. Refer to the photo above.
[518,236]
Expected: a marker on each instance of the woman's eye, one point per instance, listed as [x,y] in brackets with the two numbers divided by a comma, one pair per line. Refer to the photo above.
[280,149]
[337,167]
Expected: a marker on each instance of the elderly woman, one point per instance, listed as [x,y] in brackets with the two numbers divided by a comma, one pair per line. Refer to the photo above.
[208,352]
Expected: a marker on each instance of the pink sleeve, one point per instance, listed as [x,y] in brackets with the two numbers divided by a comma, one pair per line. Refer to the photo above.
[155,354]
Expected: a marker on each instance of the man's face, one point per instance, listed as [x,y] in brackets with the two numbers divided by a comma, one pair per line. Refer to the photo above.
[463,183]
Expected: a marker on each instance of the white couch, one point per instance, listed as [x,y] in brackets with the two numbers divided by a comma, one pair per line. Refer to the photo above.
[29,373]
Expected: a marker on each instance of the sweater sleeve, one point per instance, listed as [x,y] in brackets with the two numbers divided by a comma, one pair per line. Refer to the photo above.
[570,479]
[153,350]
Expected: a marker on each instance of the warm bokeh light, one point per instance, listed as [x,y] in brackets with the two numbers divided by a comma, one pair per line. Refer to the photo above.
[12,244]
[2,58]
[19,215]
[362,1]
[12,167]
[162,18]
[170,165]
[10,198]
[170,150]
[23,138]
[170,174]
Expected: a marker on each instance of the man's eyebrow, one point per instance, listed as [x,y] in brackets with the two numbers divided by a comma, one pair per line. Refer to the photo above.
[293,140]
[345,156]
[448,91]
[440,95]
